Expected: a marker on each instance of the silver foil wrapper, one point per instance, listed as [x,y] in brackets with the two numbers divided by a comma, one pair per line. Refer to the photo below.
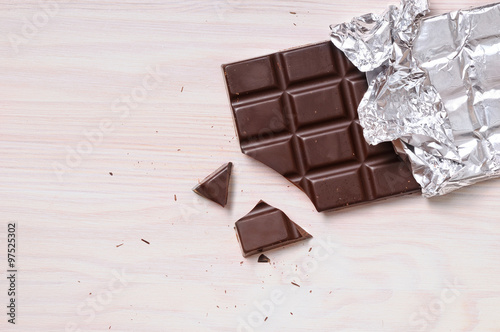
[434,86]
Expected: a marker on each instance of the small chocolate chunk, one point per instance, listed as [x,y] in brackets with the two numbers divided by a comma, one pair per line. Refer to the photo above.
[215,187]
[263,259]
[265,228]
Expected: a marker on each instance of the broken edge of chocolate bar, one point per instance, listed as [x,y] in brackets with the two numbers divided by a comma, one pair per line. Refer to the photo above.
[266,227]
[215,187]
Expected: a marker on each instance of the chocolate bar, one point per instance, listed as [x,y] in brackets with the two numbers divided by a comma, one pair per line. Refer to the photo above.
[215,187]
[266,227]
[295,111]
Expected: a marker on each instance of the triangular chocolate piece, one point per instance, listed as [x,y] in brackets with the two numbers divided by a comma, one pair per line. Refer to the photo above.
[263,259]
[215,186]
[265,228]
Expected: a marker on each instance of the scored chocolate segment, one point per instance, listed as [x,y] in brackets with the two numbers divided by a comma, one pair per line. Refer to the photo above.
[265,228]
[296,112]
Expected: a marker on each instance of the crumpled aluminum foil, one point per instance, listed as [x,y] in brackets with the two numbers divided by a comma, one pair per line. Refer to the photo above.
[434,87]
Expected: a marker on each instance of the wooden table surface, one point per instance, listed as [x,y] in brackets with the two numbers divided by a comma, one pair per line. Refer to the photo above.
[90,88]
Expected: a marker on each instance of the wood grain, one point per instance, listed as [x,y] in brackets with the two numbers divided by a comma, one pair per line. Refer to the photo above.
[406,264]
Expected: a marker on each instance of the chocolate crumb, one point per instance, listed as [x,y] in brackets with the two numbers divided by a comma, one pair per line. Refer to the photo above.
[111,173]
[182,89]
[263,259]
[295,284]
[265,318]
[144,241]
[293,13]
[178,149]
[310,249]
[291,313]
[295,24]
[241,262]
[175,197]
[119,245]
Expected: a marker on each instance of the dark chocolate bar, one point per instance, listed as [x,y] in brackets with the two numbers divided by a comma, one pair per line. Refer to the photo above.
[265,228]
[296,112]
[215,187]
